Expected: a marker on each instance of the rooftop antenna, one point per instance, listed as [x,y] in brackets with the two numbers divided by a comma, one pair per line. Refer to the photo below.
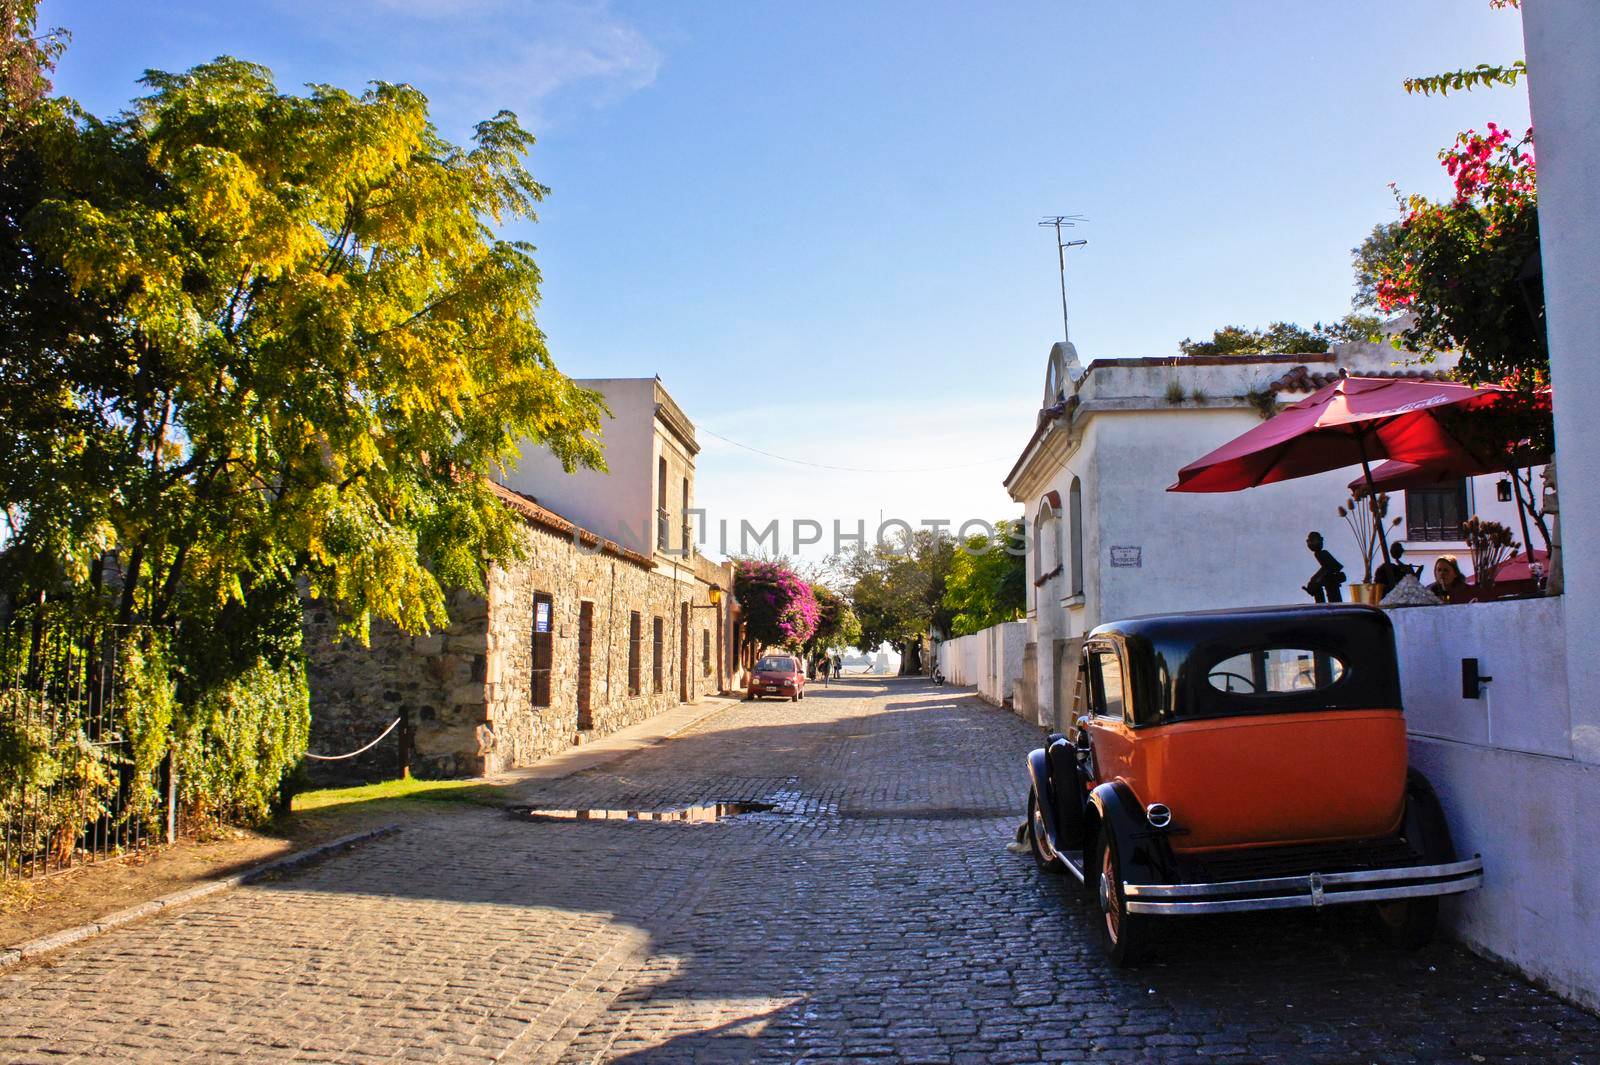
[1056,222]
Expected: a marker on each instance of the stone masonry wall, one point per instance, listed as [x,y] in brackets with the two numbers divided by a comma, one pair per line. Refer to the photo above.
[522,732]
[468,691]
[436,681]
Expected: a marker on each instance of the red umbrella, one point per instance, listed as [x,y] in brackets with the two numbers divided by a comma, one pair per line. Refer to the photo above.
[1397,475]
[1520,566]
[1353,420]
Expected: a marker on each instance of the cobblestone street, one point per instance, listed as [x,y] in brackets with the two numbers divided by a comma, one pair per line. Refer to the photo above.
[875,913]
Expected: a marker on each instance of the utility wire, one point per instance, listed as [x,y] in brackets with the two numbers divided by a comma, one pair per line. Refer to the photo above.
[851,469]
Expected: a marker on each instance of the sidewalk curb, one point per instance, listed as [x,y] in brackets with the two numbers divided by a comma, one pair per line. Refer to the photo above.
[12,956]
[692,722]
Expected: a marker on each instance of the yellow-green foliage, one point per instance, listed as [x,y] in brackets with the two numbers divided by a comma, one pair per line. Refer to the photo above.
[304,345]
[238,741]
[149,697]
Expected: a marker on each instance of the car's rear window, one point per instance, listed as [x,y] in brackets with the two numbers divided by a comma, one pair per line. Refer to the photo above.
[776,665]
[1276,671]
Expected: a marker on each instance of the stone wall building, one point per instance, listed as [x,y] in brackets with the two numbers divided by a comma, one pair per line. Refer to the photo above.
[579,637]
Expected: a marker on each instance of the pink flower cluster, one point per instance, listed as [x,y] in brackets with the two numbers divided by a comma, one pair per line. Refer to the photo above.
[780,607]
[1486,165]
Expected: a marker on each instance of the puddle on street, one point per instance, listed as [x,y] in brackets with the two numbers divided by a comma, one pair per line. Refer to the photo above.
[706,814]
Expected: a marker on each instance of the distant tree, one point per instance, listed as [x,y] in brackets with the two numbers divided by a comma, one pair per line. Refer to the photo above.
[779,607]
[897,591]
[987,583]
[1279,338]
[837,624]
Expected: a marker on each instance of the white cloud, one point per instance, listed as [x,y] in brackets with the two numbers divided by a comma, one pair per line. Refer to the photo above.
[476,57]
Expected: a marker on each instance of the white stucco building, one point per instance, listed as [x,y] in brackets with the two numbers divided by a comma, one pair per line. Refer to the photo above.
[643,498]
[1109,541]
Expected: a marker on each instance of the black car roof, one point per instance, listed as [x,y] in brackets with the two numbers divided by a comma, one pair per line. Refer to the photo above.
[1169,656]
[1210,623]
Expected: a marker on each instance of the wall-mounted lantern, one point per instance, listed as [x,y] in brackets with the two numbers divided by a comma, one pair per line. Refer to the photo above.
[1502,489]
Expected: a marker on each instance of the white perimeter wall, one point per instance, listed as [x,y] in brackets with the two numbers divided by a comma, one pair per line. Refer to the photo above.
[990,661]
[1513,792]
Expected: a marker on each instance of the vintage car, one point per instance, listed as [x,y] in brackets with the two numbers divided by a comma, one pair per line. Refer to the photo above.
[1242,760]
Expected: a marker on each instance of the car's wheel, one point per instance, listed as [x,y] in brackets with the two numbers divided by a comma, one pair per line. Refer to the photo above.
[1125,936]
[1036,833]
[795,698]
[1407,924]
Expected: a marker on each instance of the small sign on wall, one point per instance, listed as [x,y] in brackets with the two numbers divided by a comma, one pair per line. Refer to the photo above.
[1127,556]
[541,616]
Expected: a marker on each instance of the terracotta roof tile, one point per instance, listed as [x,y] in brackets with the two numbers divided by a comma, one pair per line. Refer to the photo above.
[1301,379]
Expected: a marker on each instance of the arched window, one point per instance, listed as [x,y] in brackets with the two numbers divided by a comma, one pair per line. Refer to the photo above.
[1047,538]
[1075,526]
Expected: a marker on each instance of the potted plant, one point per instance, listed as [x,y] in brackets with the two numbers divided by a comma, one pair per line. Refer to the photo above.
[1365,515]
[1491,545]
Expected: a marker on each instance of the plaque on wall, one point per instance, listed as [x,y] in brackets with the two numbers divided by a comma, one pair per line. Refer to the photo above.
[1127,556]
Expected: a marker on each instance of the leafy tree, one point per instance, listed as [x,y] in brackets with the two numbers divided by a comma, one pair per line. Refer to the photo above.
[837,624]
[1466,268]
[1369,256]
[302,347]
[897,591]
[779,607]
[1279,338]
[987,583]
[27,58]
[253,342]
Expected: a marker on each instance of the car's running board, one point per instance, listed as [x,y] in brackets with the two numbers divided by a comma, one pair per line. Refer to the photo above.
[1074,866]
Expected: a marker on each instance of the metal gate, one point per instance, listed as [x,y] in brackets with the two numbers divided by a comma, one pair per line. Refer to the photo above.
[68,793]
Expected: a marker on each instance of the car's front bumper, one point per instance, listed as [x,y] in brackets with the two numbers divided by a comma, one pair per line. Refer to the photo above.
[1310,890]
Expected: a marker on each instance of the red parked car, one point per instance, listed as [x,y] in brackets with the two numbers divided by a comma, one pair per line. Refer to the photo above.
[780,675]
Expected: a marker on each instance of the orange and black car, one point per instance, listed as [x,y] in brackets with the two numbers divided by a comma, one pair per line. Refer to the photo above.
[1242,760]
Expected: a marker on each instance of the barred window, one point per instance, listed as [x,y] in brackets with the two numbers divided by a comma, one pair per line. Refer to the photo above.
[1436,512]
[657,663]
[635,642]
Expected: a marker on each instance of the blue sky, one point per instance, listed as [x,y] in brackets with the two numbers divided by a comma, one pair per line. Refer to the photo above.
[816,220]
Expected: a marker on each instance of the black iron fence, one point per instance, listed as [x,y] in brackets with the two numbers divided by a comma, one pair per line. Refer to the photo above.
[72,786]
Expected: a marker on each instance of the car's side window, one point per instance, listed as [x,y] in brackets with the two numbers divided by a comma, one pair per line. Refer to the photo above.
[1108,694]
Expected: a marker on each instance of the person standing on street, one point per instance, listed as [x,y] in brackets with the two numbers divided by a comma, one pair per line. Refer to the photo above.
[824,665]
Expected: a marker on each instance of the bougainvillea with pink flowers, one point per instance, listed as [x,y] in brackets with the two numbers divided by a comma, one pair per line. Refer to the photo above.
[779,607]
[1467,268]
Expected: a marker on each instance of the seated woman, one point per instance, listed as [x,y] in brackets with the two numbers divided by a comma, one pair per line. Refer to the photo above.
[1448,583]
